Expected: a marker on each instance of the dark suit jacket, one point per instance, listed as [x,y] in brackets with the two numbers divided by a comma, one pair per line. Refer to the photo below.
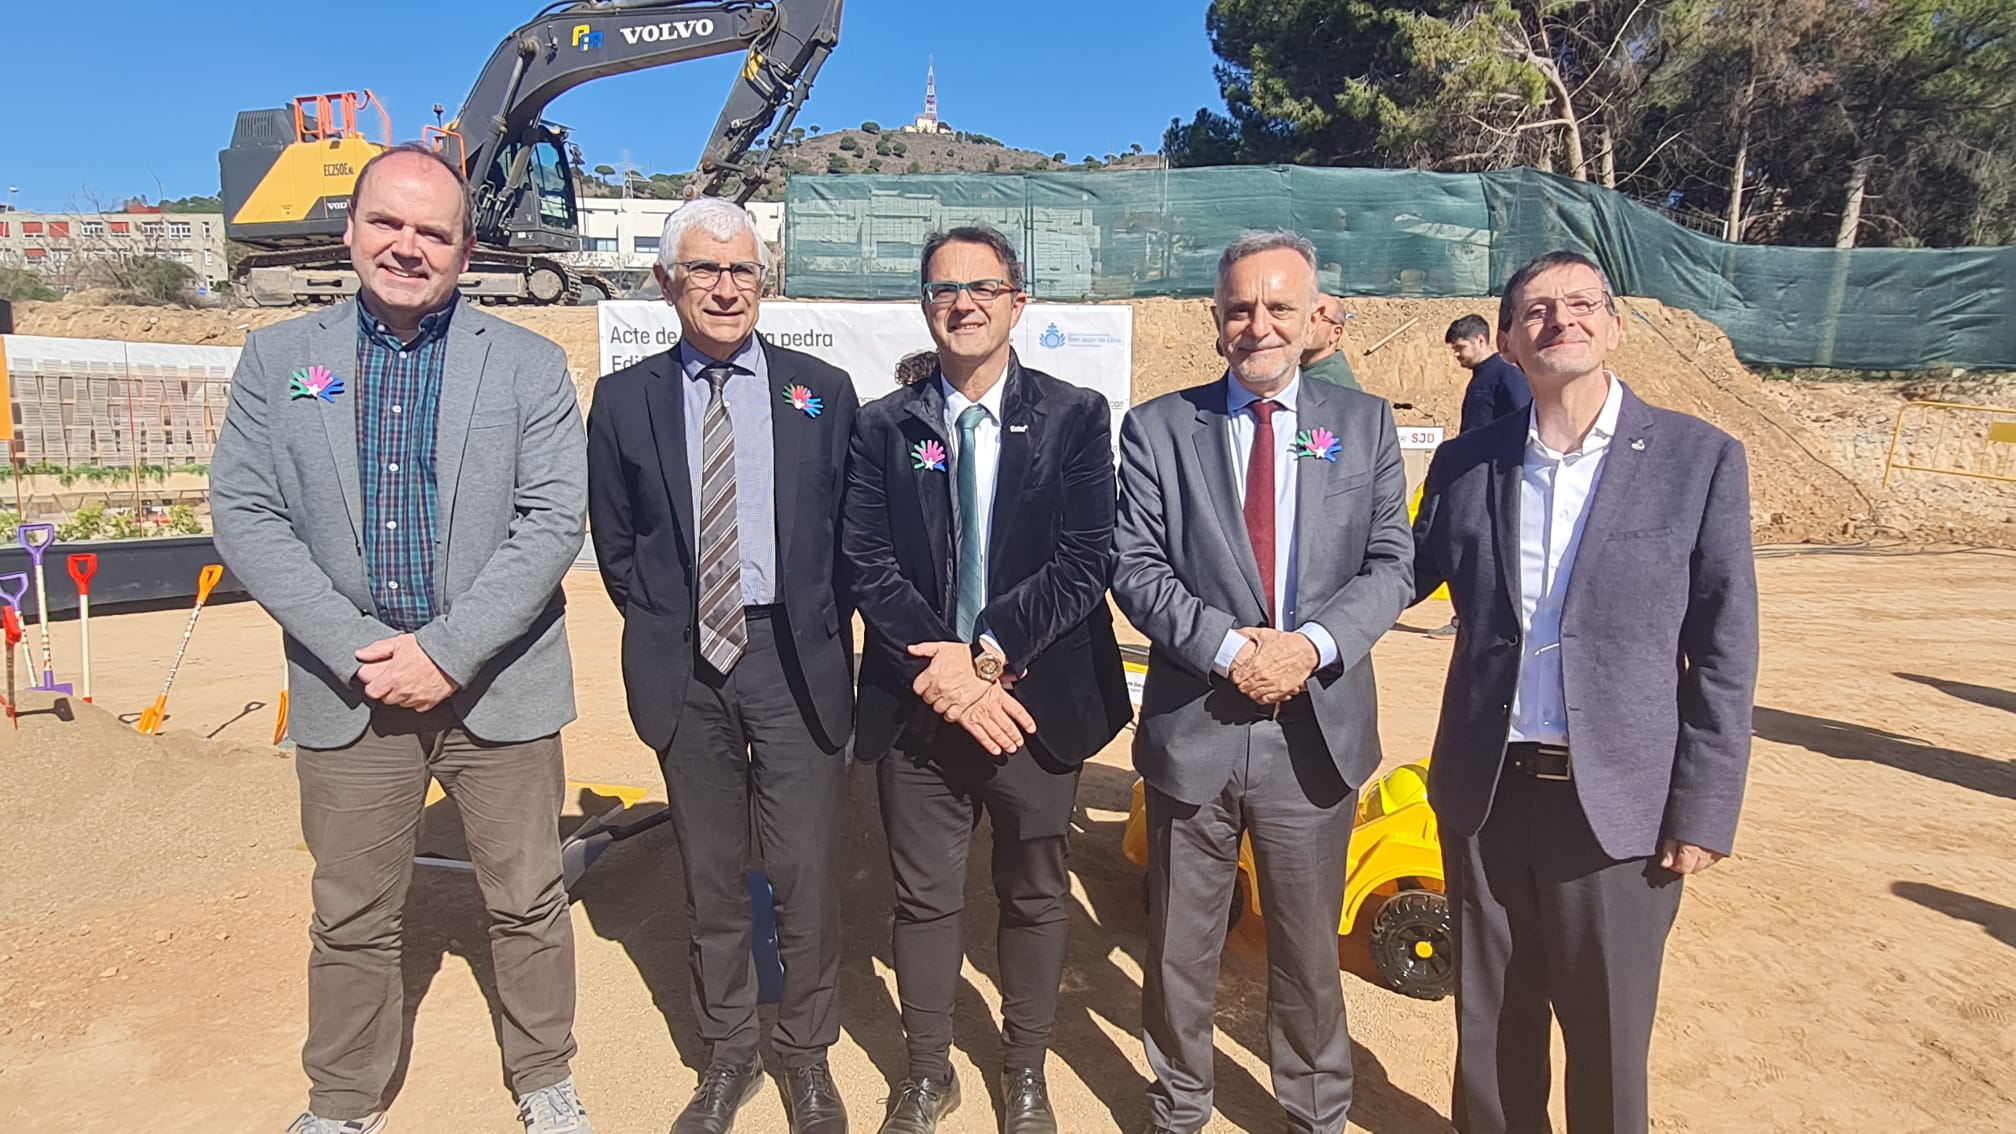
[1049,558]
[1658,629]
[1187,575]
[1496,388]
[640,509]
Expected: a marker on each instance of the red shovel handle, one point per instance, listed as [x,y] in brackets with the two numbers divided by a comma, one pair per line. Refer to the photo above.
[13,625]
[82,567]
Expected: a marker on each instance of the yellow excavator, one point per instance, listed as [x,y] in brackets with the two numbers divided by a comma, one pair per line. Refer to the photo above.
[287,176]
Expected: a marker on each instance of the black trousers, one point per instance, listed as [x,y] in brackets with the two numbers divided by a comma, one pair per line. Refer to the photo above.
[1549,925]
[744,745]
[930,809]
[1287,797]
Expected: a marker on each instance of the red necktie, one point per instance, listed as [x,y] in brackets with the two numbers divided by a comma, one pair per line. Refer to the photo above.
[1260,497]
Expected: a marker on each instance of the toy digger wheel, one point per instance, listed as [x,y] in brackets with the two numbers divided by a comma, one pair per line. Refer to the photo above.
[1414,945]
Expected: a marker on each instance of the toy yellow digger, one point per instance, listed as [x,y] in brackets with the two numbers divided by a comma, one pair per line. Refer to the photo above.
[1393,873]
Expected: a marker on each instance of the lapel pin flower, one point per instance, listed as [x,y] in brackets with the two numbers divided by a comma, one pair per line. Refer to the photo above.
[927,455]
[1319,443]
[1637,444]
[801,399]
[315,382]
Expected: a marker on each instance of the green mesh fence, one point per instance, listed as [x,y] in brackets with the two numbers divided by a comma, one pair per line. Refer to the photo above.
[1119,235]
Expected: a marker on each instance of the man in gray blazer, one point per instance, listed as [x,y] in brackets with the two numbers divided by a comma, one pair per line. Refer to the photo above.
[1595,726]
[1262,548]
[401,482]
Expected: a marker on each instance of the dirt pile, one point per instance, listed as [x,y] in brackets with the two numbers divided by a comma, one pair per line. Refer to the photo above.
[1816,474]
[97,814]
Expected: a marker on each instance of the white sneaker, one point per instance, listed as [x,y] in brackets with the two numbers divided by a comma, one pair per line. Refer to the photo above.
[553,1110]
[308,1123]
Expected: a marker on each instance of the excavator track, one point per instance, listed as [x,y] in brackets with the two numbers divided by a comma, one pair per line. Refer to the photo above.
[321,275]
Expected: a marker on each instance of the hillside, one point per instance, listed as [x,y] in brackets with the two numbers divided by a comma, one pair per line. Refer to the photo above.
[888,151]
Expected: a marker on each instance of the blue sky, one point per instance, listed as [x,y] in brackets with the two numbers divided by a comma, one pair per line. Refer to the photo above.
[139,99]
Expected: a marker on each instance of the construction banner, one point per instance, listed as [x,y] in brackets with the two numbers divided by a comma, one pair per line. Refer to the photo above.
[1086,345]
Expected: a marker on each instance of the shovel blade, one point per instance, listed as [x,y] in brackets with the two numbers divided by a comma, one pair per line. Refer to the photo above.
[150,717]
[280,724]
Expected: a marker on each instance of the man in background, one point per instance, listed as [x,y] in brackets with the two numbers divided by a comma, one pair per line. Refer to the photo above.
[1324,358]
[1496,386]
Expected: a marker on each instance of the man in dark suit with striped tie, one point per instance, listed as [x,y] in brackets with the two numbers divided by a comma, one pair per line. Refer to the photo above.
[979,536]
[714,486]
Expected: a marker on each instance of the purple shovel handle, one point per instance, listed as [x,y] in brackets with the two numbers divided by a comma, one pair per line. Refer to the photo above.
[13,588]
[35,550]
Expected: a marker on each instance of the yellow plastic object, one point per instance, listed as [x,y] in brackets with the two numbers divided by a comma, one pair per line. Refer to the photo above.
[1395,843]
[1413,510]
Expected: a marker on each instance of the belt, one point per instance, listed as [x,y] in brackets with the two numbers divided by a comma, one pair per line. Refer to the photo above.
[1540,761]
[766,610]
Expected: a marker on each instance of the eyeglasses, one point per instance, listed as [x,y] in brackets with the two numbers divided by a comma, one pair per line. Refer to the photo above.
[706,273]
[946,293]
[1578,306]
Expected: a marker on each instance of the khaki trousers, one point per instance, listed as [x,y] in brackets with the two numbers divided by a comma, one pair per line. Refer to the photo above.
[360,813]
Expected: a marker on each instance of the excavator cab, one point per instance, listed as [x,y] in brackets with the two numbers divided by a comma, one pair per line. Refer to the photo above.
[527,201]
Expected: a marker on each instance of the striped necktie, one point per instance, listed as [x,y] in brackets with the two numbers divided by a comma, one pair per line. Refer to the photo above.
[972,552]
[723,631]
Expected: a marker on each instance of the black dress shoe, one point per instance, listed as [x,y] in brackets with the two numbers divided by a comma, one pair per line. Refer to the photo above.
[812,1101]
[1025,1102]
[723,1089]
[920,1104]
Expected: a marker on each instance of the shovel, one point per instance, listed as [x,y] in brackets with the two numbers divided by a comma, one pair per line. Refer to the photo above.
[13,625]
[82,568]
[13,588]
[35,551]
[150,719]
[280,723]
[579,850]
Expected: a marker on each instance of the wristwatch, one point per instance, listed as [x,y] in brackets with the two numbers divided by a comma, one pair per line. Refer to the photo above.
[987,666]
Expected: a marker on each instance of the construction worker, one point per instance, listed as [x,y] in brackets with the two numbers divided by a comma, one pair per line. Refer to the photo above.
[416,648]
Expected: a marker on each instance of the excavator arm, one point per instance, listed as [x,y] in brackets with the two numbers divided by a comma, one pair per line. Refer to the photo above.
[574,41]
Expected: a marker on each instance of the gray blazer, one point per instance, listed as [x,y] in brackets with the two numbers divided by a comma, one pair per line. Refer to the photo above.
[511,468]
[1185,575]
[1658,629]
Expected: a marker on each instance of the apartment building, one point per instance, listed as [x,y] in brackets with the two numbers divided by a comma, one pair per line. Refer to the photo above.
[63,246]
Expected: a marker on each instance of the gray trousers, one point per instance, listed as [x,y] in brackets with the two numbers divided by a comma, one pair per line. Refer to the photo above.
[743,744]
[1287,797]
[360,815]
[1547,924]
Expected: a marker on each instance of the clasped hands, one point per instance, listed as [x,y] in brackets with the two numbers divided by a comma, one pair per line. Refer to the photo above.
[1274,665]
[398,673]
[984,708]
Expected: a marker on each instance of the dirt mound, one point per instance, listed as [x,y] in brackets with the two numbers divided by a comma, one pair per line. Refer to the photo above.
[95,813]
[1813,479]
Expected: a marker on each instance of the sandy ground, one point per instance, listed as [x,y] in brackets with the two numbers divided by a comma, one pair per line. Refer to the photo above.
[1849,969]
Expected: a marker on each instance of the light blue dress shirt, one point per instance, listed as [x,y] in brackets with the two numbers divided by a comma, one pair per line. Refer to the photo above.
[747,397]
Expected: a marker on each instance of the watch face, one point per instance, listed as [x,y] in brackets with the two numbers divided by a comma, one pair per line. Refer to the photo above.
[987,666]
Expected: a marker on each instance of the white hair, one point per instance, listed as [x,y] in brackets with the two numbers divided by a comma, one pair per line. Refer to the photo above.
[1254,243]
[720,219]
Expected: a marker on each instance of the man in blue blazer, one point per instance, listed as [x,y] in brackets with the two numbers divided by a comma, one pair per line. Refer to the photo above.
[1595,728]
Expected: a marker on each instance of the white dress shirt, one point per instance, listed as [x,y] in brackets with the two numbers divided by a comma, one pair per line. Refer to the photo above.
[986,458]
[1242,423]
[1554,494]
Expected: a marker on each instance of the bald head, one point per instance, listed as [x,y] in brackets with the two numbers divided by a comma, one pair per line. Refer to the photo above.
[1326,329]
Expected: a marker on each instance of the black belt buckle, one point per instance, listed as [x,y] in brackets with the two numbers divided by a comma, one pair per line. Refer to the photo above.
[1551,762]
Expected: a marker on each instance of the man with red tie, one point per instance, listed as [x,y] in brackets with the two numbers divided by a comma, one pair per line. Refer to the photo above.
[1263,548]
